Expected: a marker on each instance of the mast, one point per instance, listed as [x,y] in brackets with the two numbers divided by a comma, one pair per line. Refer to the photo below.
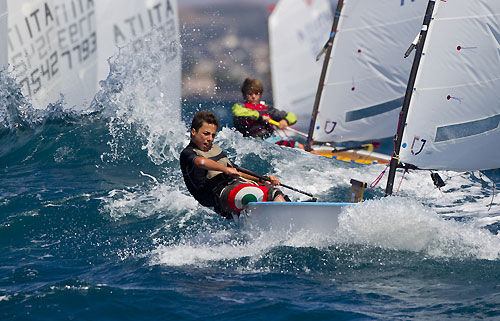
[406,104]
[328,47]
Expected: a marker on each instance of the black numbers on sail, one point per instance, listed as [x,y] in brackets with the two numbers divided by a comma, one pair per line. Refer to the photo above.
[39,76]
[82,51]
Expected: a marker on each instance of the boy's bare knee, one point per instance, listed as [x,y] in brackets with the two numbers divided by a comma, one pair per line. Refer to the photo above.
[279,198]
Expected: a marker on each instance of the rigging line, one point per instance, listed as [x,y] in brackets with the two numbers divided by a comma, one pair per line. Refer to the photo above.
[493,188]
[281,133]
[285,134]
[377,180]
[401,181]
[335,83]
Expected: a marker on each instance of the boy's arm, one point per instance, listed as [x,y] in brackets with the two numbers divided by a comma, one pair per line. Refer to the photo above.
[210,165]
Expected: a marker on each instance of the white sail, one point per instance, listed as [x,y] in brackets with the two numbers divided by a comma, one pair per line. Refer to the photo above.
[77,50]
[367,75]
[298,29]
[127,22]
[52,50]
[33,51]
[3,31]
[454,114]
[61,47]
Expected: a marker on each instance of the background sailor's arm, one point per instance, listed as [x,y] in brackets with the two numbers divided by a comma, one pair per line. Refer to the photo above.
[210,165]
[283,124]
[285,119]
[291,118]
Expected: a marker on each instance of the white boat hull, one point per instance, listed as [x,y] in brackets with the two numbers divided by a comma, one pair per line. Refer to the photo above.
[315,217]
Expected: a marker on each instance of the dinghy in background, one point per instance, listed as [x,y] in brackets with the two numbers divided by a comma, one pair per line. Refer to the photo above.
[362,80]
[33,53]
[365,74]
[141,24]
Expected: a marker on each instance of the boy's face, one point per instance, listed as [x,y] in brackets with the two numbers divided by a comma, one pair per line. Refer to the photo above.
[204,137]
[253,98]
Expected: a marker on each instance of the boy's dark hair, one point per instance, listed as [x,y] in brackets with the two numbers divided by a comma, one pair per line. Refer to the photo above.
[204,116]
[251,86]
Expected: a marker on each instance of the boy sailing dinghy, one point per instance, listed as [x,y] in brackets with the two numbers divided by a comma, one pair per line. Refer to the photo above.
[451,113]
[363,79]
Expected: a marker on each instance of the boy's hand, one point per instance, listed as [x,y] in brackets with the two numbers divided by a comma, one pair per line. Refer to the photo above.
[274,180]
[283,124]
[233,172]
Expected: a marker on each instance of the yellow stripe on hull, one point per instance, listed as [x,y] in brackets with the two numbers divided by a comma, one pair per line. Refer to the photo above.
[352,157]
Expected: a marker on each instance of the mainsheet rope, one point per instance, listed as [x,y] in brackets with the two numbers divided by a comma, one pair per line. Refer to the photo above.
[406,171]
[493,188]
[377,180]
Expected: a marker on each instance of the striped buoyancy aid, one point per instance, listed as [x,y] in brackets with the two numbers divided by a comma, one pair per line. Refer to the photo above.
[216,154]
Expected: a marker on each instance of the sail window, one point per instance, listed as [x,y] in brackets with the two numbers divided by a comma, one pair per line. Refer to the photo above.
[467,129]
[374,110]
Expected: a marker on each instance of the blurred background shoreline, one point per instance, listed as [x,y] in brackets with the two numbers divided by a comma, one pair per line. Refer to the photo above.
[223,42]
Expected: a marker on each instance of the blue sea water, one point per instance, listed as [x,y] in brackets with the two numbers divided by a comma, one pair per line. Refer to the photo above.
[96,224]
